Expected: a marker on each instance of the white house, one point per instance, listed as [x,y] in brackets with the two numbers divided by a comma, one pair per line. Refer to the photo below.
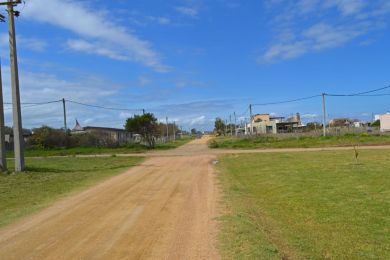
[385,122]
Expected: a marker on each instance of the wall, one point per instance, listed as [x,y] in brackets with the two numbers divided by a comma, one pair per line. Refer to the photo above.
[385,122]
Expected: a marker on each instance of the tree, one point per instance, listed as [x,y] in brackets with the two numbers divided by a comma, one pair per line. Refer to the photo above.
[47,137]
[377,123]
[313,125]
[219,126]
[193,131]
[145,125]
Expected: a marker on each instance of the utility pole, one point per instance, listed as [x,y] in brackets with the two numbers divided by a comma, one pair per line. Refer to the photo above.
[16,109]
[174,131]
[230,125]
[3,159]
[235,124]
[250,118]
[324,114]
[64,107]
[167,128]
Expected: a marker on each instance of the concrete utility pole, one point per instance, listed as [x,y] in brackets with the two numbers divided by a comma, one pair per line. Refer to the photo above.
[3,159]
[167,128]
[64,107]
[324,114]
[250,118]
[174,131]
[230,125]
[16,109]
[235,124]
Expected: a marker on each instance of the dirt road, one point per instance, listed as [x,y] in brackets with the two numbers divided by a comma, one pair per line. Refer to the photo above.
[162,209]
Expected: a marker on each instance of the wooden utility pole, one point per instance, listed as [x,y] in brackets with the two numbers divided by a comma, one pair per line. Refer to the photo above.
[3,159]
[16,109]
[324,114]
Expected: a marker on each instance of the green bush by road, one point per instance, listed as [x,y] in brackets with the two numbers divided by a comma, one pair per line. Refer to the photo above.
[264,142]
[48,179]
[308,205]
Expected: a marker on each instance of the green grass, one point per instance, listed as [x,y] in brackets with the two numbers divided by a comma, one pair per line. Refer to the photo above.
[264,142]
[48,179]
[136,148]
[308,205]
[174,144]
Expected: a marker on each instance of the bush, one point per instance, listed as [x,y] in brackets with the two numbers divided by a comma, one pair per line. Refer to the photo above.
[48,138]
[213,144]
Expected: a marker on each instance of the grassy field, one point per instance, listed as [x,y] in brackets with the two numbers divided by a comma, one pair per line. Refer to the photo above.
[48,179]
[136,148]
[308,205]
[264,142]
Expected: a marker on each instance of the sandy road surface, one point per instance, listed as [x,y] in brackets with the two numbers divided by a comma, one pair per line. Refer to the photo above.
[162,209]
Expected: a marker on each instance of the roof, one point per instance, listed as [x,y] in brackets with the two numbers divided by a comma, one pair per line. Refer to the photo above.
[262,115]
[77,127]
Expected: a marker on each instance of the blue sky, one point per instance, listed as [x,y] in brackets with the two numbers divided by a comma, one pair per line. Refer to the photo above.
[195,60]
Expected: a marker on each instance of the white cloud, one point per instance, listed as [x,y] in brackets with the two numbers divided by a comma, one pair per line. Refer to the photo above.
[346,7]
[24,42]
[144,80]
[43,87]
[188,11]
[163,20]
[198,120]
[99,48]
[323,29]
[309,116]
[94,26]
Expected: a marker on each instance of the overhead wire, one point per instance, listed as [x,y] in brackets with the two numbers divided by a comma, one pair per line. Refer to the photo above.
[358,94]
[286,101]
[103,107]
[36,103]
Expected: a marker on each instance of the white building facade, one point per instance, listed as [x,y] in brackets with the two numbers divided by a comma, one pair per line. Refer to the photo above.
[385,122]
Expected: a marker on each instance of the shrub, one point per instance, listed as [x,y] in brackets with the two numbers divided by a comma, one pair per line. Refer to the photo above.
[213,144]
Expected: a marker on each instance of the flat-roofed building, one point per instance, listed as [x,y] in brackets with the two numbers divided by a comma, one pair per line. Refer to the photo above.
[385,122]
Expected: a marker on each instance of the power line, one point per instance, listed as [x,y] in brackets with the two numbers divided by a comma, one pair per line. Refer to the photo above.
[358,94]
[373,95]
[36,103]
[103,107]
[286,101]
